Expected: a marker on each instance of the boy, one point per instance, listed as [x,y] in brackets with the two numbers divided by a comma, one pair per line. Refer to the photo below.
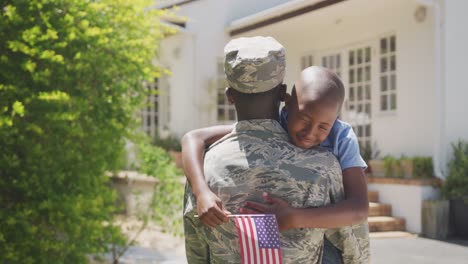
[310,118]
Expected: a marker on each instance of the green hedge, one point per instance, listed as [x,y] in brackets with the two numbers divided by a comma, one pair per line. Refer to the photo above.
[71,79]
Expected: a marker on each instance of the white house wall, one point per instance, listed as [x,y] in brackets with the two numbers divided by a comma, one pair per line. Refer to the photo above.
[200,45]
[354,23]
[177,55]
[455,85]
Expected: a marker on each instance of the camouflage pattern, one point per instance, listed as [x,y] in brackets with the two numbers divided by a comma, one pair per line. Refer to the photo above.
[254,65]
[257,157]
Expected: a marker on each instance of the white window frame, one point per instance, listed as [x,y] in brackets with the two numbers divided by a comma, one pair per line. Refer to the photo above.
[388,100]
[307,60]
[150,112]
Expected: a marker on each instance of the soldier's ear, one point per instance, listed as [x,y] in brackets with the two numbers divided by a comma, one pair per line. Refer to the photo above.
[230,95]
[289,99]
[282,92]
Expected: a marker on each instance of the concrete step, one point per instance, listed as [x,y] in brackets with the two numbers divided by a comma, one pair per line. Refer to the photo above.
[373,196]
[392,234]
[386,223]
[378,209]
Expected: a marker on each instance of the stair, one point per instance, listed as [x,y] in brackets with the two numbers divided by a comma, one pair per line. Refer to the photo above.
[380,216]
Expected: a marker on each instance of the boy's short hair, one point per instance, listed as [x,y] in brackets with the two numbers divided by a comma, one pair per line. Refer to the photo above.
[254,65]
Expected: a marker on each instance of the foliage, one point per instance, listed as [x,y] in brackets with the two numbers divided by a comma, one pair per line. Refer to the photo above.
[167,203]
[369,152]
[392,167]
[456,183]
[169,143]
[71,78]
[423,167]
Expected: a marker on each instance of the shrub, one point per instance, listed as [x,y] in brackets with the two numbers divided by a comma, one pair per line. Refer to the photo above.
[392,167]
[71,78]
[169,143]
[167,199]
[456,183]
[423,167]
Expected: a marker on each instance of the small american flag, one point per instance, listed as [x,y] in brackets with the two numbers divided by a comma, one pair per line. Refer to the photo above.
[258,239]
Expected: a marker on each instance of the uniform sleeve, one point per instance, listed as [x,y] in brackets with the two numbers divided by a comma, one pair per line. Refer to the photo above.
[348,150]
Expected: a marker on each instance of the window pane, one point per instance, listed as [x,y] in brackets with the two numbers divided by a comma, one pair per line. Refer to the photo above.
[359,56]
[311,61]
[359,93]
[367,73]
[351,58]
[392,43]
[351,76]
[324,61]
[351,106]
[338,61]
[156,120]
[359,131]
[368,54]
[368,109]
[351,94]
[392,63]
[232,114]
[359,108]
[221,99]
[383,83]
[393,82]
[368,92]
[383,46]
[359,74]
[148,120]
[156,106]
[221,115]
[383,102]
[368,134]
[393,101]
[383,64]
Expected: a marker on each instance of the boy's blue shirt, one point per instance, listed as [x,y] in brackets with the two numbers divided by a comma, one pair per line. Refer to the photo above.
[341,141]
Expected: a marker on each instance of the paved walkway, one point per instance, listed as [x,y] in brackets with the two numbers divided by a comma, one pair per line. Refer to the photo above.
[416,250]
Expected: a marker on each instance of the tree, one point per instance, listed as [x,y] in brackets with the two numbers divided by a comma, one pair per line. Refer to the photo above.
[71,79]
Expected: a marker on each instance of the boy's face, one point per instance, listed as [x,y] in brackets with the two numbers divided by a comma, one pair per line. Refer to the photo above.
[309,120]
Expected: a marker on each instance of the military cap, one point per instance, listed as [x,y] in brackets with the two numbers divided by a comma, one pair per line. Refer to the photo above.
[255,64]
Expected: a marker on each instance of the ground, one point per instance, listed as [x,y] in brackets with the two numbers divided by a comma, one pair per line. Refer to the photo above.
[156,247]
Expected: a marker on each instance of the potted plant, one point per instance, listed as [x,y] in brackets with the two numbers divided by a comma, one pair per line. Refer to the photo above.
[392,167]
[407,167]
[370,155]
[423,168]
[455,188]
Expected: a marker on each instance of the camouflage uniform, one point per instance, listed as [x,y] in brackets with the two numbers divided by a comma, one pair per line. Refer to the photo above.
[257,157]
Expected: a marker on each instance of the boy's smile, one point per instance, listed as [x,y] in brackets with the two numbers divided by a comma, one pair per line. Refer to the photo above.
[310,123]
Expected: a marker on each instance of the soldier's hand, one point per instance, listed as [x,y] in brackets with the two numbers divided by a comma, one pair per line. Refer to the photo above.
[273,205]
[211,210]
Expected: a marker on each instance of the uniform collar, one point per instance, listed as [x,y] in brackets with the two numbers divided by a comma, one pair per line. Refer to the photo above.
[269,125]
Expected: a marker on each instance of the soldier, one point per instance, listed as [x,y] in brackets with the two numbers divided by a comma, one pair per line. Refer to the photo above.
[257,157]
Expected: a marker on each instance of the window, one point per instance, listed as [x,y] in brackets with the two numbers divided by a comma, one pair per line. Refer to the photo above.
[359,92]
[226,113]
[307,61]
[388,91]
[150,114]
[332,62]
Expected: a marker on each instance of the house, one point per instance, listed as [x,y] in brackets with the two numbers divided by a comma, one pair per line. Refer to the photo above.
[401,61]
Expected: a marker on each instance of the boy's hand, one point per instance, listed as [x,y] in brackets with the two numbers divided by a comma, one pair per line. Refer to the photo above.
[211,210]
[276,206]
